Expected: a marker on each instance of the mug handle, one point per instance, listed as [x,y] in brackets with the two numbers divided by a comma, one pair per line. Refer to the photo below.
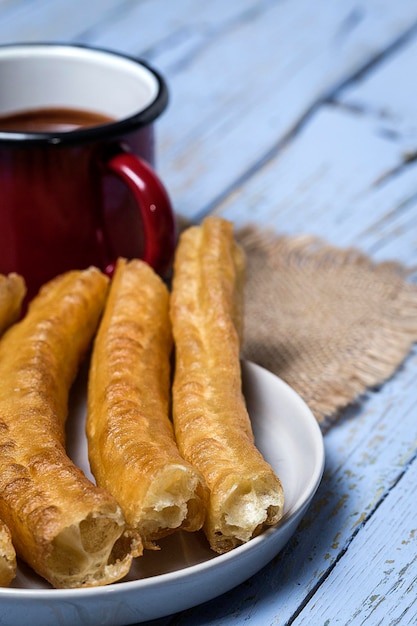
[154,207]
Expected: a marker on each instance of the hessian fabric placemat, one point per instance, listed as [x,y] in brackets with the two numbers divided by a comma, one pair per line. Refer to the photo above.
[330,322]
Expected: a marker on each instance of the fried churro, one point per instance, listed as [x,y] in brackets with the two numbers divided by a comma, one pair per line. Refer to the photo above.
[8,566]
[132,449]
[212,425]
[67,529]
[12,293]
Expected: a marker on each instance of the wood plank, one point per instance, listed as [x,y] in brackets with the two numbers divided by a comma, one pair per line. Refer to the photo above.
[377,570]
[170,31]
[388,94]
[221,124]
[327,183]
[50,20]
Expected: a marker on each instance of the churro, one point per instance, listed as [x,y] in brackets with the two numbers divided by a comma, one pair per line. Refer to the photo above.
[8,566]
[212,425]
[132,449]
[67,529]
[12,293]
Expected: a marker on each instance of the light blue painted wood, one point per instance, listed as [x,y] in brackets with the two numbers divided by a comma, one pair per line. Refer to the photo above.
[50,20]
[383,575]
[332,182]
[221,124]
[389,95]
[170,31]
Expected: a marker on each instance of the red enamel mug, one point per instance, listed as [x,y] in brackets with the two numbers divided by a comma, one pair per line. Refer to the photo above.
[77,184]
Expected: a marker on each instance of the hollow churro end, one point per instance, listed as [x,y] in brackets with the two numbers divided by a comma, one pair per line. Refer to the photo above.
[175,500]
[242,510]
[8,564]
[96,551]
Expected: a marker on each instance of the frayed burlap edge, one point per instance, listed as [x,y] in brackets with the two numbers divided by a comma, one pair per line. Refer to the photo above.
[389,322]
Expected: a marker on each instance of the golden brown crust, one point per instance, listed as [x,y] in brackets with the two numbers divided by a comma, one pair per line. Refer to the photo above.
[12,293]
[212,425]
[8,565]
[132,449]
[66,528]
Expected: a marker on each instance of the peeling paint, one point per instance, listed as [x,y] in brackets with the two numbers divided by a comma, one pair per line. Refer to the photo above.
[340,505]
[360,520]
[375,440]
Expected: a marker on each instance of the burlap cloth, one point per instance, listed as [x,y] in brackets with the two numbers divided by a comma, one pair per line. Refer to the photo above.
[328,321]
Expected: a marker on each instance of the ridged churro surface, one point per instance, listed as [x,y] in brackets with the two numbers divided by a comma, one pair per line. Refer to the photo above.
[131,443]
[8,566]
[12,293]
[212,425]
[66,528]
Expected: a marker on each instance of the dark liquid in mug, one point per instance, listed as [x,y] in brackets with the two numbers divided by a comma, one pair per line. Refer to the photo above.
[51,120]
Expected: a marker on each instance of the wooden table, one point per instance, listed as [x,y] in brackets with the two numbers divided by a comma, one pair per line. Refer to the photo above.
[301,116]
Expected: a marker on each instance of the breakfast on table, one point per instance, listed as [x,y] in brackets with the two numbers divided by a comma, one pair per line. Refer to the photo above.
[169,437]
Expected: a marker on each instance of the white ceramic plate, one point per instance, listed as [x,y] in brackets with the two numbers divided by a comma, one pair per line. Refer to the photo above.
[185,572]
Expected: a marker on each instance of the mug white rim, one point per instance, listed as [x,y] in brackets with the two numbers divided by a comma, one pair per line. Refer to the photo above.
[134,120]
